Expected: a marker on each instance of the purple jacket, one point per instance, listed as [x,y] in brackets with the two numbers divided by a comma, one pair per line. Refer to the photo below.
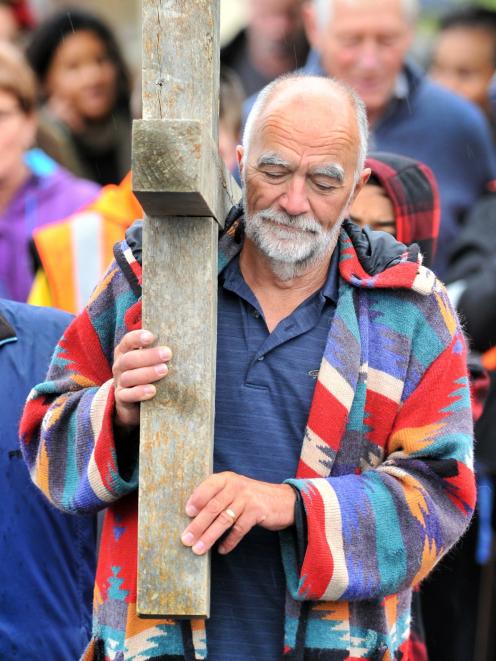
[51,193]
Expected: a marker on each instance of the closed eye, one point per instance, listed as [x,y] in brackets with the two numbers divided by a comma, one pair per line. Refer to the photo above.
[323,186]
[276,175]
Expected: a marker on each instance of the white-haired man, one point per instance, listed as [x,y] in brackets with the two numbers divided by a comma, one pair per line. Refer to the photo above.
[364,43]
[342,450]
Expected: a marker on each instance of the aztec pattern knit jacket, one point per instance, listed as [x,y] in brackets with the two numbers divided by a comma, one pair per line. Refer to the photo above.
[385,475]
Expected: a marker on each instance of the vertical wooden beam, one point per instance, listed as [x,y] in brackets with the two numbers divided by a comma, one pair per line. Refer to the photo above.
[180,82]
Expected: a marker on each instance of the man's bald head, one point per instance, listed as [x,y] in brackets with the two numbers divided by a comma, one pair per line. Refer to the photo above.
[289,88]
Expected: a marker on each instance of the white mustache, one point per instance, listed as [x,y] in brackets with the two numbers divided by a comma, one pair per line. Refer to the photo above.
[301,222]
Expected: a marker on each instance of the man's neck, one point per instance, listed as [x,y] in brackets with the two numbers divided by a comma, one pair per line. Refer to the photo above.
[279,297]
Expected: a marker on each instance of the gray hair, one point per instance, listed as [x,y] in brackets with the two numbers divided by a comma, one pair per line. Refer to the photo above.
[271,89]
[323,9]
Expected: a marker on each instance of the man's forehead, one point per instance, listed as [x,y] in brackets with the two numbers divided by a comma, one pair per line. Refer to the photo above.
[321,106]
[314,119]
[302,146]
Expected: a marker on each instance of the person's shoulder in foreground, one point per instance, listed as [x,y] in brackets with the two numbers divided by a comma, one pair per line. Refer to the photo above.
[47,571]
[384,484]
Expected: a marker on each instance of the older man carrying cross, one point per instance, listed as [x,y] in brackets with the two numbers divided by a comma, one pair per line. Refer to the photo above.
[342,455]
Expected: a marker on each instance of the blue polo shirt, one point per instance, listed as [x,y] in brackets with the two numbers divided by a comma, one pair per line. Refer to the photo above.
[265,384]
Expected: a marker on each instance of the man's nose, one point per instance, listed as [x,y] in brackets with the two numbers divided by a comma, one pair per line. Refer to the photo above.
[369,54]
[294,200]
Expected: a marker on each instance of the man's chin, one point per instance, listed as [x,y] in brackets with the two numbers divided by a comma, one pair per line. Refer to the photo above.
[285,258]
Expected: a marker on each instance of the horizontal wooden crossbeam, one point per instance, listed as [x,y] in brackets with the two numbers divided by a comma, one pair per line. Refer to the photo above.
[177,170]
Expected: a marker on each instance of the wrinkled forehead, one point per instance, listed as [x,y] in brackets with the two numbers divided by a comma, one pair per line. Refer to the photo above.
[308,121]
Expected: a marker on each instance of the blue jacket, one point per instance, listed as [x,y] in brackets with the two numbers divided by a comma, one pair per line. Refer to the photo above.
[47,558]
[439,128]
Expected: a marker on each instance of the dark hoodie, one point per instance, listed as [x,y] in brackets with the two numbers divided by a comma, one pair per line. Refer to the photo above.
[413,191]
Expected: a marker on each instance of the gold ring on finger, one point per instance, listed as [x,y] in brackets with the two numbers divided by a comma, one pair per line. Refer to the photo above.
[231,515]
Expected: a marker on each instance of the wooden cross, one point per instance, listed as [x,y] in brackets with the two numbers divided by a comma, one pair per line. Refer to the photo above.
[186,193]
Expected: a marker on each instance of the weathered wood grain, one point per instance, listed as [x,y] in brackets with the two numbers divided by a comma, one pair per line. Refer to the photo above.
[177,426]
[178,179]
[177,167]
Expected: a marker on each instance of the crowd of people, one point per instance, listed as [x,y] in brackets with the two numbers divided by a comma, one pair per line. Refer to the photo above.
[348,514]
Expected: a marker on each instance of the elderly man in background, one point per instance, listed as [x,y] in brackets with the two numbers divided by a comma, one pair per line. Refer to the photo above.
[335,488]
[364,43]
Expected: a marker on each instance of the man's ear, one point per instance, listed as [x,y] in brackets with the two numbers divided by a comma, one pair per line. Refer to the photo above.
[310,24]
[240,152]
[362,180]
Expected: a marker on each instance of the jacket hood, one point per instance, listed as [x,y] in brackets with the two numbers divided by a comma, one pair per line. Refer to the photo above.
[412,188]
[368,259]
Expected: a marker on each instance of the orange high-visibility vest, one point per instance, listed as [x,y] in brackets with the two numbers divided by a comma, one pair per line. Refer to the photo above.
[75,252]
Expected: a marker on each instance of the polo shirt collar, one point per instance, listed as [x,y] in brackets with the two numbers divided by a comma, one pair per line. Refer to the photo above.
[7,332]
[231,275]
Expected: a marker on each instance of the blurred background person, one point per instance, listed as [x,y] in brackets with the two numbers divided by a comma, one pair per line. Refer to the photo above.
[85,89]
[465,624]
[464,56]
[464,60]
[47,559]
[34,190]
[272,43]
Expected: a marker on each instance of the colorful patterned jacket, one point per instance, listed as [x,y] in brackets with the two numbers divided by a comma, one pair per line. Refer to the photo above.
[385,477]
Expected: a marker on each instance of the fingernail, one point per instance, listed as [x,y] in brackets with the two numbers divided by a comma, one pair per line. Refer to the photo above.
[149,390]
[161,369]
[191,510]
[198,548]
[146,337]
[165,353]
[187,538]
[222,550]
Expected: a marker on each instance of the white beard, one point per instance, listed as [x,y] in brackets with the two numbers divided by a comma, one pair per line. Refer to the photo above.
[292,244]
